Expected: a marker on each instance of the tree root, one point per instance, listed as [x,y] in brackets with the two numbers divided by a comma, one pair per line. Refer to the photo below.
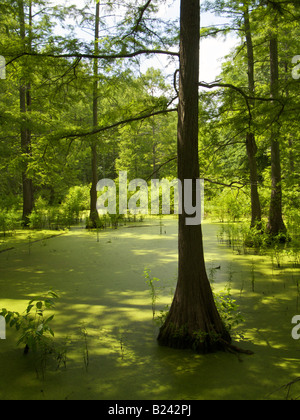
[234,349]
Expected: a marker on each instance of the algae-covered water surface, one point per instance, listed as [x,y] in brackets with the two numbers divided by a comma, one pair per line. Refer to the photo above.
[103,320]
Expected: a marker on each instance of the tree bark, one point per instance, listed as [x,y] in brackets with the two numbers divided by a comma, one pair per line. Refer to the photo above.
[28,200]
[193,320]
[25,106]
[290,139]
[250,137]
[94,217]
[275,224]
[291,156]
[255,201]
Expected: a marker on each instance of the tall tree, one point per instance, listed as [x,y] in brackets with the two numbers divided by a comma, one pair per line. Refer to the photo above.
[239,12]
[193,320]
[250,136]
[25,106]
[275,223]
[94,217]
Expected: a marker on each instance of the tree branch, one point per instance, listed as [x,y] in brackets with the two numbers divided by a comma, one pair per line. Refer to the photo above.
[135,28]
[119,123]
[95,56]
[175,81]
[142,11]
[160,166]
[245,96]
[225,185]
[231,185]
[228,85]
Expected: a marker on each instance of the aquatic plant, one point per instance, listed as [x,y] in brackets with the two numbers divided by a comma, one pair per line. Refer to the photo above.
[34,327]
[85,350]
[153,290]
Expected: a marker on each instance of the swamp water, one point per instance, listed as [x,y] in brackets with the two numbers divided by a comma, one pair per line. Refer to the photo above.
[103,320]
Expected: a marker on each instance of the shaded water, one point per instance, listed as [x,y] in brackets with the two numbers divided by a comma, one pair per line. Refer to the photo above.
[103,320]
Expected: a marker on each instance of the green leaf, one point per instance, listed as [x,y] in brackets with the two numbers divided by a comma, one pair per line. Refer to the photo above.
[39,305]
[49,319]
[49,303]
[53,294]
[29,307]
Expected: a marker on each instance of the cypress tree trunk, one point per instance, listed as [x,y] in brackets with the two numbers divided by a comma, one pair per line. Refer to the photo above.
[94,217]
[25,105]
[250,137]
[193,320]
[255,201]
[275,224]
[28,201]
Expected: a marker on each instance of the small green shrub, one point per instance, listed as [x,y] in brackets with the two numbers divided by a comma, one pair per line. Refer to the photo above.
[153,290]
[229,206]
[75,202]
[228,309]
[33,326]
[9,221]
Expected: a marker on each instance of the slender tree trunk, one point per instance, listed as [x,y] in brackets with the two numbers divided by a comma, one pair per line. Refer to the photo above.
[193,320]
[25,106]
[154,150]
[275,224]
[291,156]
[94,217]
[255,201]
[290,139]
[250,137]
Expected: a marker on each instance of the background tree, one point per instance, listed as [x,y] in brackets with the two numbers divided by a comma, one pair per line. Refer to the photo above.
[94,217]
[246,103]
[275,223]
[25,107]
[250,135]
